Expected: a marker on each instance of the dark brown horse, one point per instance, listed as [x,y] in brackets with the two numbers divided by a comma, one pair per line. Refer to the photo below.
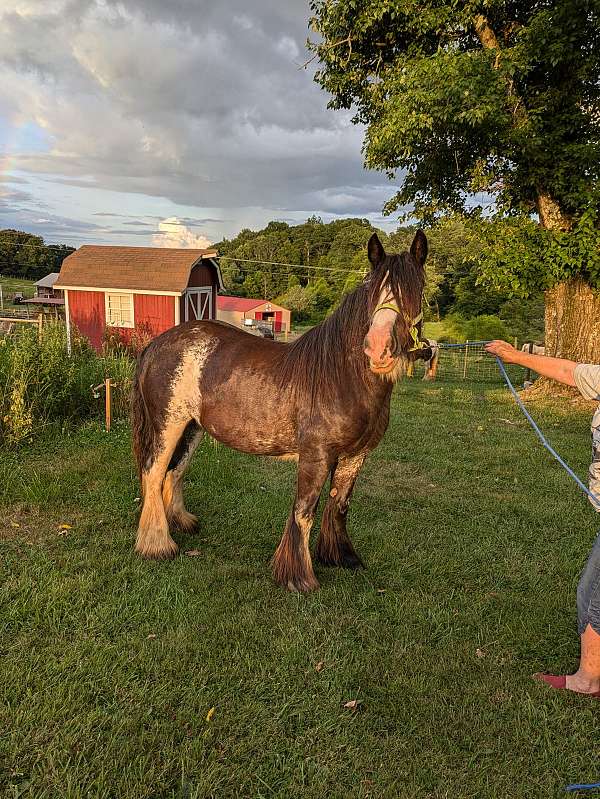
[323,401]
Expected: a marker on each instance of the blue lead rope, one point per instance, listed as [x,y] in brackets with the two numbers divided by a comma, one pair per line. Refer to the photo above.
[542,438]
[590,786]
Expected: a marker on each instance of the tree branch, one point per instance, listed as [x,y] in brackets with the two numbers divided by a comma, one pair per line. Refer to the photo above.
[347,40]
[549,211]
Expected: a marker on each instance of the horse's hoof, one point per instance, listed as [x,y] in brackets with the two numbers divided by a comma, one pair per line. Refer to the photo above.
[185,522]
[302,586]
[352,562]
[163,552]
[349,560]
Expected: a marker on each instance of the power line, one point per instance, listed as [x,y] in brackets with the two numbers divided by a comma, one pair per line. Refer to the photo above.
[281,263]
[217,257]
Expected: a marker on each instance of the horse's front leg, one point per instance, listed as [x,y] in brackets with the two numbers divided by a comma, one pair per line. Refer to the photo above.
[334,547]
[292,564]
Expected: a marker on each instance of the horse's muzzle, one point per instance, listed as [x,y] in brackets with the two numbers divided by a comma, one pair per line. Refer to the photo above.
[383,368]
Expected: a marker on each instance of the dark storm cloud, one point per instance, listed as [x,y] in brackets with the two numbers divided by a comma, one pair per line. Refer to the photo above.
[202,103]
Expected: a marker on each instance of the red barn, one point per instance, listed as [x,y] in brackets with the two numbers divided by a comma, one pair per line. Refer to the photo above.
[239,310]
[148,289]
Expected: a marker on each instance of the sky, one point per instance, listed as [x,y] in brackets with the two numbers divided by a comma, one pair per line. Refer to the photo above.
[170,123]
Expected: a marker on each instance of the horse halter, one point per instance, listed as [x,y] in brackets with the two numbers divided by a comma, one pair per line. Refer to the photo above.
[418,344]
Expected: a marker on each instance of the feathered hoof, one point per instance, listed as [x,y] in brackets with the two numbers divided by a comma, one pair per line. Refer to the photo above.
[299,585]
[346,559]
[185,522]
[165,550]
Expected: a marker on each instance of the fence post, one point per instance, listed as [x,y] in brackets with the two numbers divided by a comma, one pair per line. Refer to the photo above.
[40,323]
[466,354]
[528,372]
[107,403]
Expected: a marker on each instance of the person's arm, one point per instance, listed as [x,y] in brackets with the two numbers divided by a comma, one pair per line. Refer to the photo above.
[558,369]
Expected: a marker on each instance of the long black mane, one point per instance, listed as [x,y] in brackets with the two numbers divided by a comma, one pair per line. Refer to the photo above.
[322,361]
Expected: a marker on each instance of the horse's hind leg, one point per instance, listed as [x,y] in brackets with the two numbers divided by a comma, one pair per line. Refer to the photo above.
[153,539]
[177,516]
[334,547]
[292,564]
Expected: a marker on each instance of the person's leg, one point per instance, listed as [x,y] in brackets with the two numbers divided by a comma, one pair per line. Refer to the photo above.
[586,679]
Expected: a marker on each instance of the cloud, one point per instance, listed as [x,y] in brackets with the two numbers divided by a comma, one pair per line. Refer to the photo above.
[173,233]
[201,104]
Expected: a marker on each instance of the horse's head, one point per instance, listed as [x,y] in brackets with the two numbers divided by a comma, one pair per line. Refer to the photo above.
[395,290]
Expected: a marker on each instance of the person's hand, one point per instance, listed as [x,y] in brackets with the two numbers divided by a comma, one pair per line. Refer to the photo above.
[505,351]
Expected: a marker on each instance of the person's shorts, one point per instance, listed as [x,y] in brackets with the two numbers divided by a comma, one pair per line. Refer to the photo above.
[588,592]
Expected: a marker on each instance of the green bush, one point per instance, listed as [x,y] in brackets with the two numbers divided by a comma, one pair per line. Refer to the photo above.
[40,383]
[480,328]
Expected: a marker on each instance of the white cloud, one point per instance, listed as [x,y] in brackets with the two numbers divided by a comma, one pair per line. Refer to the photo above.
[173,101]
[172,232]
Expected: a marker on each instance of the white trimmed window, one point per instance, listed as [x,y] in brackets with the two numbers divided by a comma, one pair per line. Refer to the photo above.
[119,310]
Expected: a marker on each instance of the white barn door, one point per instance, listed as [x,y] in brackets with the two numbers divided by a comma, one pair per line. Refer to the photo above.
[197,304]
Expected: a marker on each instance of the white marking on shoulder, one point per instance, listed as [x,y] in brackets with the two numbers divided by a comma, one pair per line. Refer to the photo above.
[185,399]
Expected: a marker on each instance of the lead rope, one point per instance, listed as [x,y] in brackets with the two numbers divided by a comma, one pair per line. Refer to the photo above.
[595,500]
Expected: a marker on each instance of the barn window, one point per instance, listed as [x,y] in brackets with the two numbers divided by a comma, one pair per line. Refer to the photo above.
[119,310]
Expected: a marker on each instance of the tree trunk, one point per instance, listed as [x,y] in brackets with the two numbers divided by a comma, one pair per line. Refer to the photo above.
[573,322]
[572,309]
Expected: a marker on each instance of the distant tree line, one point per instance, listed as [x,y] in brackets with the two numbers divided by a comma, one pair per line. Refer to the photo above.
[26,255]
[327,260]
[309,267]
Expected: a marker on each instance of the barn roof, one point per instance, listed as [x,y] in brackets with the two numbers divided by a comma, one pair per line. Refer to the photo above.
[135,268]
[242,303]
[48,281]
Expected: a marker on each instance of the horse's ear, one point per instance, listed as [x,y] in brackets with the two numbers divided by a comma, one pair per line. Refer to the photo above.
[418,249]
[376,251]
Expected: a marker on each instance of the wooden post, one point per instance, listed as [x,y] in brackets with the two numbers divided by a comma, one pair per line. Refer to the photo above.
[107,403]
[528,372]
[1,298]
[465,363]
[40,323]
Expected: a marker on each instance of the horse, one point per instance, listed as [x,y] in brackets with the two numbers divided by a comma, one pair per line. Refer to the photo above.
[536,349]
[431,363]
[324,402]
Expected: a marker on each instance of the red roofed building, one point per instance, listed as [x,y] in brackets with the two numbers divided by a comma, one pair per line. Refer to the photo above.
[148,289]
[236,310]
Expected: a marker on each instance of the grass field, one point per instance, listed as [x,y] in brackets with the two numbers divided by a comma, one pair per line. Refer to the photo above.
[473,538]
[436,330]
[12,284]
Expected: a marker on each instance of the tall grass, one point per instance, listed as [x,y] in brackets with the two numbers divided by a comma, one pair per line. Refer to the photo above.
[40,383]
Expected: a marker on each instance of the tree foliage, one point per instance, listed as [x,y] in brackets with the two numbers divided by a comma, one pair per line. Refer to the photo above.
[499,98]
[470,96]
[295,254]
[25,255]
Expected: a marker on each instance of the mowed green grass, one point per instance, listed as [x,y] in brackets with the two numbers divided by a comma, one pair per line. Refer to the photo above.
[10,285]
[473,540]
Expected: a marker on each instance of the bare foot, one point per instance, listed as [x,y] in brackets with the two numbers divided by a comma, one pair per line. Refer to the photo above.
[577,683]
[582,683]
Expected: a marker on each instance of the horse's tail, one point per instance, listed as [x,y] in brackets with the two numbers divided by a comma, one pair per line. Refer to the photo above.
[142,430]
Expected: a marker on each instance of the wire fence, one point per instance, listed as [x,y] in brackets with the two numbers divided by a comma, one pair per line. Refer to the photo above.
[470,362]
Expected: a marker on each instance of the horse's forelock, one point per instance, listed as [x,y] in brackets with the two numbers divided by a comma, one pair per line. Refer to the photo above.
[405,280]
[316,365]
